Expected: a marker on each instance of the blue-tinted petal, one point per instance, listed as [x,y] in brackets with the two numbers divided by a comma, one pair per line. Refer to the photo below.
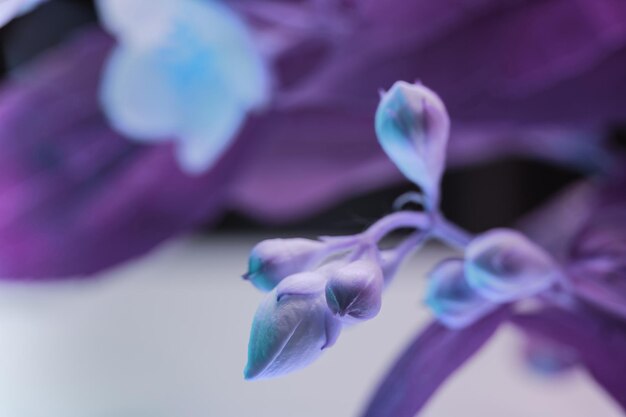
[196,153]
[451,299]
[288,334]
[138,97]
[504,265]
[273,260]
[412,125]
[192,74]
[239,63]
[139,22]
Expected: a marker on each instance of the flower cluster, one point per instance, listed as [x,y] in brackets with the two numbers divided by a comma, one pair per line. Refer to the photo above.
[318,286]
[184,70]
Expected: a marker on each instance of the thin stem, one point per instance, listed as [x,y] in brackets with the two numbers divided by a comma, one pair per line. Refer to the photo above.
[450,233]
[395,221]
[410,244]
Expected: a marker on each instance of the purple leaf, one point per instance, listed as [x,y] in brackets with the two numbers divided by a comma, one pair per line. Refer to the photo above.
[76,197]
[597,258]
[432,357]
[598,340]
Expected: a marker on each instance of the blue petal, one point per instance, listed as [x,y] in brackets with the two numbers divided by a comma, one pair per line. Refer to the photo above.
[191,76]
[137,22]
[198,151]
[237,58]
[451,299]
[138,96]
[288,335]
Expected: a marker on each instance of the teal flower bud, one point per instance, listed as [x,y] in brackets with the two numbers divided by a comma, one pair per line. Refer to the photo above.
[451,299]
[273,260]
[291,328]
[355,290]
[504,265]
[412,126]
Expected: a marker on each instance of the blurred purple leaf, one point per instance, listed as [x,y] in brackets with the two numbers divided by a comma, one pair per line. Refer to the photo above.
[599,342]
[430,359]
[303,160]
[76,196]
[597,256]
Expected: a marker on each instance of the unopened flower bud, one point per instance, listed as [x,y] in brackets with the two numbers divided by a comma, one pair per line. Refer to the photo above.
[355,290]
[291,328]
[504,265]
[412,125]
[451,299]
[273,260]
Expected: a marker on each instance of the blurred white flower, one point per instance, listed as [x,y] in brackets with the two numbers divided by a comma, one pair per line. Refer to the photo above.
[184,70]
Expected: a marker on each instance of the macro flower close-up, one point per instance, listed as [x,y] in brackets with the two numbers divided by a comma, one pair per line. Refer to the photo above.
[301,208]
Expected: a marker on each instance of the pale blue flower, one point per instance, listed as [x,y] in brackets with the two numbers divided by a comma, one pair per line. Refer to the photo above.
[185,71]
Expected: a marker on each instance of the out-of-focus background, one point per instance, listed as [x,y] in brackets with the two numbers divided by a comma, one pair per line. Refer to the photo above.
[147,317]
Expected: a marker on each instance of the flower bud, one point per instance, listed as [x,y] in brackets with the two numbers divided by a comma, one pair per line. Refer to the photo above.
[504,265]
[355,290]
[273,260]
[451,299]
[412,125]
[291,328]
